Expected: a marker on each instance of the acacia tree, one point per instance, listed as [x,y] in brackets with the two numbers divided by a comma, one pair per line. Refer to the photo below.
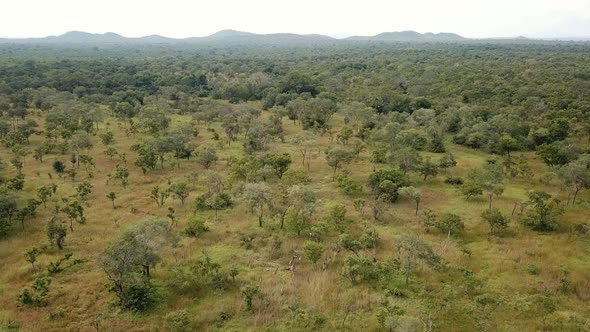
[451,224]
[230,127]
[128,260]
[413,194]
[497,221]
[159,195]
[40,151]
[491,180]
[74,211]
[488,179]
[207,157]
[428,168]
[344,135]
[56,232]
[471,188]
[279,163]
[544,211]
[80,140]
[304,142]
[122,173]
[297,197]
[8,206]
[27,211]
[112,152]
[297,220]
[88,163]
[257,196]
[31,256]
[83,190]
[406,159]
[385,184]
[107,138]
[154,119]
[349,243]
[112,196]
[507,144]
[313,250]
[413,249]
[146,159]
[337,158]
[180,191]
[447,161]
[576,175]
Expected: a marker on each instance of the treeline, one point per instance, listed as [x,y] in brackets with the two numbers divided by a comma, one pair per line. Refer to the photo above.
[529,95]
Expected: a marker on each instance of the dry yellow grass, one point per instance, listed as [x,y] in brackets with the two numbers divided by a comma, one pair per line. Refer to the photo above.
[81,293]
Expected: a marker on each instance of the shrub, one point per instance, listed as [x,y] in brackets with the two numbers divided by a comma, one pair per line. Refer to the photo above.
[385,184]
[142,297]
[178,321]
[533,269]
[5,226]
[357,269]
[195,228]
[223,317]
[497,221]
[454,180]
[542,216]
[58,166]
[250,293]
[450,224]
[213,201]
[337,216]
[296,177]
[347,186]
[36,295]
[313,250]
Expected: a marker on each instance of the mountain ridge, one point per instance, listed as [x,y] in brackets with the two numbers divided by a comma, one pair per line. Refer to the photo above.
[410,35]
[229,36]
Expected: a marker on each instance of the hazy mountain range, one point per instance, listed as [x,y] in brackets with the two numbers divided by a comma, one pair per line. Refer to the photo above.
[240,37]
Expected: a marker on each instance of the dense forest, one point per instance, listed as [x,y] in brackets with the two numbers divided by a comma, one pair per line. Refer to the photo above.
[349,186]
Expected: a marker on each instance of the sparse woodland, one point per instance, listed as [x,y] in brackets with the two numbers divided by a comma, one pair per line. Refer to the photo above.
[350,187]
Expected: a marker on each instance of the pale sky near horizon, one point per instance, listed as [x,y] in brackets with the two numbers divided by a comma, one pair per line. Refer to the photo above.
[185,18]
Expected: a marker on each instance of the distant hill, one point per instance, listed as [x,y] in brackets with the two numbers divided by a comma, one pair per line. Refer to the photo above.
[79,37]
[221,37]
[85,37]
[227,34]
[234,37]
[410,36]
[240,37]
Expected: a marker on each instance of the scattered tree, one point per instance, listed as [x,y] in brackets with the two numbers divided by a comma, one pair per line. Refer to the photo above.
[112,196]
[497,221]
[257,196]
[31,256]
[413,194]
[56,232]
[385,184]
[337,158]
[450,224]
[413,249]
[544,211]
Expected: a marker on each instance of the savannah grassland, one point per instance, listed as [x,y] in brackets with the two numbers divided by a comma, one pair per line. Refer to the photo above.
[482,102]
[499,266]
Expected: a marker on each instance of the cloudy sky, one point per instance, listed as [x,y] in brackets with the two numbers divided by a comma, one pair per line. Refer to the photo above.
[184,18]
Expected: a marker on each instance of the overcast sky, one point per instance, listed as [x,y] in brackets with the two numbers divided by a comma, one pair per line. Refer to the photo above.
[185,18]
